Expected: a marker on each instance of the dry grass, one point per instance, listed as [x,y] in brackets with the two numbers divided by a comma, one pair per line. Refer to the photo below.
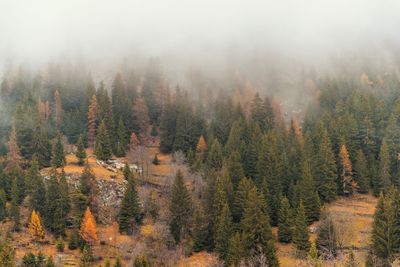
[201,259]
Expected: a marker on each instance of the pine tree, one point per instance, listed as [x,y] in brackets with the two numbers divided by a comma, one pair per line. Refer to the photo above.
[80,151]
[7,254]
[345,185]
[3,202]
[86,257]
[130,207]
[105,113]
[223,231]
[384,169]
[88,230]
[35,227]
[300,231]
[361,173]
[236,250]
[58,156]
[309,196]
[41,146]
[284,221]
[325,169]
[240,198]
[13,156]
[141,115]
[121,142]
[92,121]
[102,148]
[386,228]
[235,169]
[215,157]
[256,228]
[180,208]
[351,260]
[326,240]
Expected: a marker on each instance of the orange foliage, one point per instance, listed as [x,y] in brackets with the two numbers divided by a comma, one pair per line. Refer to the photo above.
[88,230]
[35,227]
[13,156]
[201,145]
[346,174]
[297,132]
[134,141]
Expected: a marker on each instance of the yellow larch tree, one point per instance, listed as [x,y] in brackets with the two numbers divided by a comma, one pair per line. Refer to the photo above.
[88,230]
[201,145]
[346,171]
[35,227]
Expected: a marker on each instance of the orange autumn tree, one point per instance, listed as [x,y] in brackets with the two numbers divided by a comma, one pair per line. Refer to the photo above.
[35,227]
[346,171]
[201,145]
[134,141]
[13,156]
[88,230]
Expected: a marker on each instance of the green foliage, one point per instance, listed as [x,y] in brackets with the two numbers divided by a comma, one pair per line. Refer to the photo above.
[86,256]
[7,254]
[156,161]
[309,196]
[3,202]
[60,244]
[102,148]
[141,261]
[215,158]
[236,250]
[15,209]
[180,208]
[80,150]
[284,221]
[122,139]
[223,231]
[73,242]
[300,231]
[361,173]
[58,156]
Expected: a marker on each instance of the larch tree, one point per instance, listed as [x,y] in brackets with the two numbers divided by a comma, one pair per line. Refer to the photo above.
[80,151]
[35,227]
[92,121]
[88,229]
[13,156]
[346,183]
[141,116]
[201,146]
[133,141]
[180,208]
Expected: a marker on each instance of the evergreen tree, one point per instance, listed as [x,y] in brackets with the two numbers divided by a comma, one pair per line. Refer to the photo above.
[7,254]
[38,190]
[3,202]
[361,173]
[58,156]
[284,221]
[256,228]
[122,139]
[309,196]
[180,208]
[41,146]
[384,169]
[326,239]
[223,231]
[168,128]
[102,148]
[15,209]
[80,151]
[130,207]
[325,169]
[236,250]
[215,157]
[351,260]
[240,198]
[92,121]
[235,169]
[300,231]
[141,261]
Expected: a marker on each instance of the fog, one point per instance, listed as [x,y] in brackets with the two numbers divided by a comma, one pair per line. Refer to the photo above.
[209,35]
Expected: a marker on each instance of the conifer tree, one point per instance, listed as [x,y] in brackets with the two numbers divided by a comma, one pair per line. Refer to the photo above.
[105,113]
[236,250]
[386,228]
[300,231]
[130,207]
[7,254]
[102,148]
[35,227]
[41,146]
[384,169]
[200,241]
[58,156]
[351,260]
[141,261]
[201,146]
[240,198]
[234,168]
[223,231]
[309,196]
[141,115]
[88,229]
[121,141]
[92,121]
[361,173]
[284,221]
[14,158]
[3,202]
[256,228]
[327,240]
[325,169]
[215,157]
[80,151]
[345,184]
[15,209]
[180,208]
[58,111]
[38,190]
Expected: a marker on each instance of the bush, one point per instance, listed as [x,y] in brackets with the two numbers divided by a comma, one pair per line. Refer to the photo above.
[73,242]
[156,161]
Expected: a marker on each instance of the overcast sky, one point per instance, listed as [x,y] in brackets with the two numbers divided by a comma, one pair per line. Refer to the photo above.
[42,30]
